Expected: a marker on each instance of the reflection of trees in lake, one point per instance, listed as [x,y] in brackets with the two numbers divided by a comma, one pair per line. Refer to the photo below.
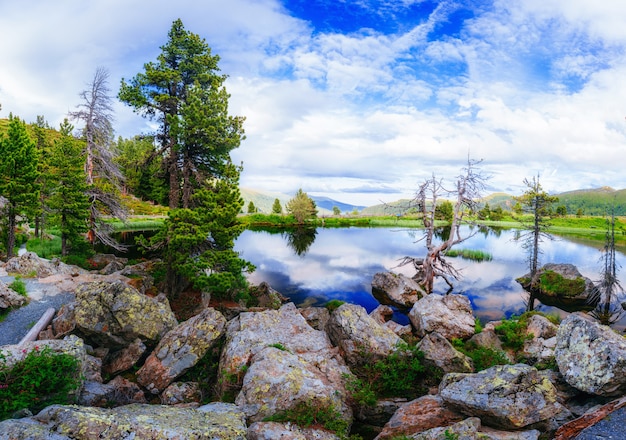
[300,239]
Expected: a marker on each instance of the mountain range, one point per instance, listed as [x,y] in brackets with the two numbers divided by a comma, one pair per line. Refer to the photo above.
[595,201]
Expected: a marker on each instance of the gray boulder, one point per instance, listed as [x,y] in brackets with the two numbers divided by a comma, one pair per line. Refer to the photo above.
[439,352]
[251,332]
[180,349]
[9,298]
[135,421]
[504,396]
[591,357]
[114,314]
[287,431]
[352,330]
[396,289]
[449,315]
[278,380]
[30,264]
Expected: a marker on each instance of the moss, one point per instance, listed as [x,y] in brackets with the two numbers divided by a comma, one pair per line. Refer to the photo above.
[554,284]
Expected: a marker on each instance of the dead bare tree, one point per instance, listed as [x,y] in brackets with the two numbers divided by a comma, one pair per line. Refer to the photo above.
[103,176]
[468,189]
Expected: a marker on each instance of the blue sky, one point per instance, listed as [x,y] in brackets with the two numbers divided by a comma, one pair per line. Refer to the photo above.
[360,100]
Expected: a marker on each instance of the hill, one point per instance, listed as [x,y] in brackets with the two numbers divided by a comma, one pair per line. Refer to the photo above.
[264,201]
[596,201]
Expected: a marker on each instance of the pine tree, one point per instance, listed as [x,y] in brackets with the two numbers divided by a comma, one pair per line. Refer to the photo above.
[18,177]
[68,201]
[276,207]
[302,207]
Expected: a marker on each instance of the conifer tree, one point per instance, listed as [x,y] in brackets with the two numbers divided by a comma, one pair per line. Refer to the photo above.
[18,177]
[68,201]
[302,207]
[276,207]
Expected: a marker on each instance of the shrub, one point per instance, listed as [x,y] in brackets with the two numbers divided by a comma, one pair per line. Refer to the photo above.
[42,378]
[18,286]
[512,333]
[483,357]
[334,304]
[306,414]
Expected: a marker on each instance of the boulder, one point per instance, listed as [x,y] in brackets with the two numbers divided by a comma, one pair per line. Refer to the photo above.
[117,392]
[449,315]
[115,315]
[355,332]
[9,298]
[180,349]
[440,353]
[503,396]
[268,297]
[540,348]
[278,380]
[562,286]
[396,289]
[383,314]
[591,357]
[316,317]
[287,431]
[135,421]
[30,264]
[379,414]
[64,321]
[125,358]
[419,415]
[182,393]
[251,332]
[471,429]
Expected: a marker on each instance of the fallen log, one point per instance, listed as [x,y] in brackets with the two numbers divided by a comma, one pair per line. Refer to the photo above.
[38,327]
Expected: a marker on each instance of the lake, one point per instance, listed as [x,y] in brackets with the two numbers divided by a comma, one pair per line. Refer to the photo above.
[312,269]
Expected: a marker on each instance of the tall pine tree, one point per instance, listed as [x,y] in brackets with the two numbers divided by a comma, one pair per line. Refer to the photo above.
[18,178]
[68,201]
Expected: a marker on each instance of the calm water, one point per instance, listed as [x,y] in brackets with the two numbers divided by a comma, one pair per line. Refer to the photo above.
[340,264]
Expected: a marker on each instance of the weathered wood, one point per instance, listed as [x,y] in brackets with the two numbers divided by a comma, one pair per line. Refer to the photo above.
[41,324]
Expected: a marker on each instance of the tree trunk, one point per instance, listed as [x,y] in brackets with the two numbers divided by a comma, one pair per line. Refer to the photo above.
[11,232]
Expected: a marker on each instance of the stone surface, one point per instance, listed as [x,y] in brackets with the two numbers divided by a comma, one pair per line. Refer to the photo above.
[286,431]
[591,357]
[117,392]
[504,396]
[396,289]
[9,298]
[30,264]
[449,315]
[181,393]
[278,380]
[540,348]
[115,315]
[180,349]
[316,317]
[419,415]
[125,358]
[355,332]
[439,352]
[135,421]
[251,332]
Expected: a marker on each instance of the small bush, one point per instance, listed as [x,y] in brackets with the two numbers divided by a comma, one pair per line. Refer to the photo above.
[307,414]
[18,286]
[512,333]
[42,378]
[483,357]
[334,304]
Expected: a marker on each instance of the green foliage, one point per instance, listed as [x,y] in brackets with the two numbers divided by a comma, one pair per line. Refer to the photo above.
[42,378]
[306,414]
[478,326]
[448,435]
[45,247]
[279,346]
[276,207]
[18,286]
[334,304]
[512,332]
[19,176]
[470,254]
[251,208]
[483,357]
[67,200]
[554,284]
[336,210]
[197,244]
[302,207]
[401,374]
[444,211]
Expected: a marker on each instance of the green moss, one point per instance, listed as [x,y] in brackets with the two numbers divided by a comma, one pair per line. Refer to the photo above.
[306,414]
[553,284]
[334,304]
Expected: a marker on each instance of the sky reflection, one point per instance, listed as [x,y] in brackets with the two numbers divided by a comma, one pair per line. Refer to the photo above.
[340,264]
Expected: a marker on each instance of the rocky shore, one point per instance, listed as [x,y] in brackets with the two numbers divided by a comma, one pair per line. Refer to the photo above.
[133,352]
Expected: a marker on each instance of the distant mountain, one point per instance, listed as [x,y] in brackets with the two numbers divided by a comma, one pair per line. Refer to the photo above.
[399,207]
[329,204]
[264,202]
[597,201]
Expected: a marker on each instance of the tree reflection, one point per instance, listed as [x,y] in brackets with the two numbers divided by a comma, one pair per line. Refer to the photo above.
[300,239]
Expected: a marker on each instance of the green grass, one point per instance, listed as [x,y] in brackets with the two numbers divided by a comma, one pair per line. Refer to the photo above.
[45,248]
[18,286]
[470,254]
